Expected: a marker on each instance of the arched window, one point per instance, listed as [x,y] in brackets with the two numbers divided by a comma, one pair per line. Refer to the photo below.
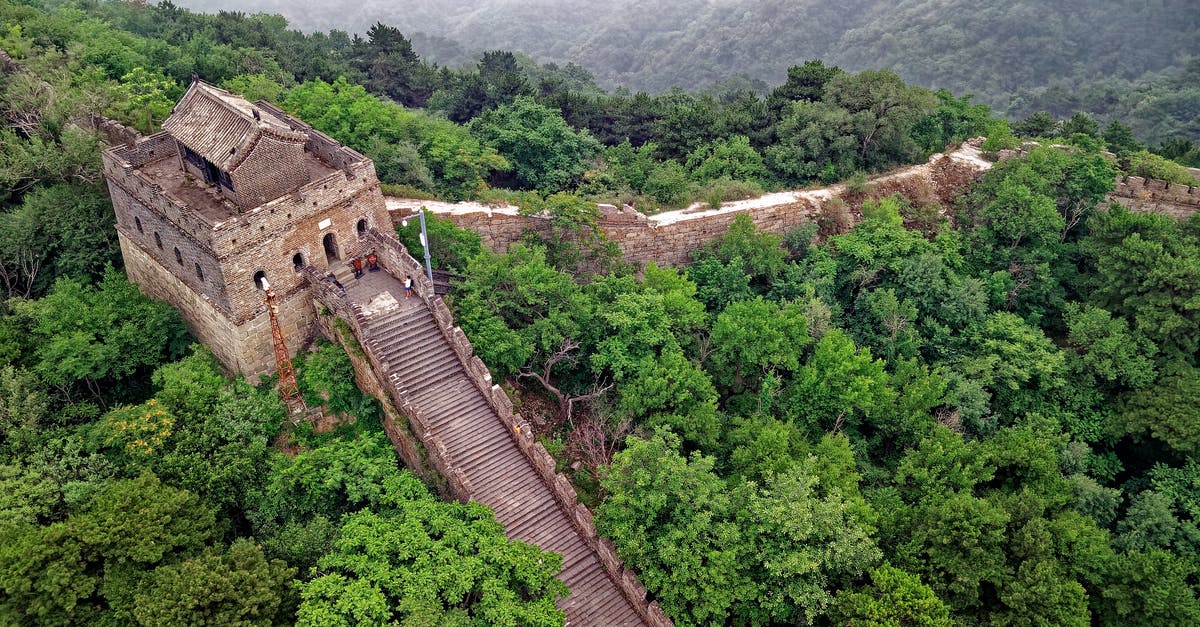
[157,240]
[138,223]
[298,260]
[178,256]
[362,227]
[199,272]
[258,277]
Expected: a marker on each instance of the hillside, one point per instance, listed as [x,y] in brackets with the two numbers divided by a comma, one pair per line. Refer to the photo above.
[1006,53]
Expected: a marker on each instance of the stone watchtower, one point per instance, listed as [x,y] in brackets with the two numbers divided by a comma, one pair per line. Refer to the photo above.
[229,192]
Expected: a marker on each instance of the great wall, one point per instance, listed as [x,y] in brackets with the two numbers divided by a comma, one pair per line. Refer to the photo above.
[449,422]
[669,238]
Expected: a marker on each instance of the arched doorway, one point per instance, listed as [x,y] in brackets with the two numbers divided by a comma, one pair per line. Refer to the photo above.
[331,250]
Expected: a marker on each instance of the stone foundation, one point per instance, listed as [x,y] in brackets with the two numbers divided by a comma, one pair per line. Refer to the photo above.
[245,348]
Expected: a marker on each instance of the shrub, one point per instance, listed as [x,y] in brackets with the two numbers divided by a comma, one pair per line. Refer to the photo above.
[1152,166]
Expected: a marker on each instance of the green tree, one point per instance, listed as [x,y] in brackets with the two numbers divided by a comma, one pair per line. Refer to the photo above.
[99,336]
[1147,271]
[1107,349]
[733,158]
[838,387]
[515,306]
[64,572]
[61,230]
[546,154]
[1167,410]
[235,587]
[894,598]
[670,518]
[431,563]
[753,339]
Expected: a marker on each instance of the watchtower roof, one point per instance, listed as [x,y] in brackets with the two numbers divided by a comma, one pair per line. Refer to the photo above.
[221,126]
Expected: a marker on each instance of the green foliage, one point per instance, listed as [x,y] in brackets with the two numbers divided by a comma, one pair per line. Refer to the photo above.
[667,183]
[838,387]
[546,154]
[1107,349]
[894,598]
[999,137]
[63,572]
[713,552]
[100,335]
[1167,409]
[425,562]
[1152,166]
[733,158]
[326,378]
[148,96]
[450,246]
[515,305]
[337,478]
[754,338]
[61,230]
[1147,271]
[456,161]
[239,587]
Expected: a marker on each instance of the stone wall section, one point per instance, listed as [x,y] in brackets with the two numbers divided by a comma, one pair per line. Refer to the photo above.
[671,238]
[196,266]
[246,347]
[1151,195]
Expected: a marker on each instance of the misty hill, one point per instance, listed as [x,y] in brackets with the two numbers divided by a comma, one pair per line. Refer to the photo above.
[1005,52]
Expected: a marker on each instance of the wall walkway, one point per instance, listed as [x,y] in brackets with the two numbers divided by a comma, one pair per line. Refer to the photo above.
[473,438]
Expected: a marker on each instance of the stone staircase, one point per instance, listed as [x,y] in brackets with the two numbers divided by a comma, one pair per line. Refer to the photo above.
[430,378]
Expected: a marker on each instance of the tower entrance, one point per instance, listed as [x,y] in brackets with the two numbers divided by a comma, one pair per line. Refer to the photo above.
[330,244]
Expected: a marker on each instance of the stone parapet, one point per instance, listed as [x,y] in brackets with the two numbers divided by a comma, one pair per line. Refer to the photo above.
[1157,196]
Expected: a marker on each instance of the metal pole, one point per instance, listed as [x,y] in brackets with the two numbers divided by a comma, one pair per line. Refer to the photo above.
[425,245]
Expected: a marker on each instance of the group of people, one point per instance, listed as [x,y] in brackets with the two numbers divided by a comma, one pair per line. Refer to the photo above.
[371,264]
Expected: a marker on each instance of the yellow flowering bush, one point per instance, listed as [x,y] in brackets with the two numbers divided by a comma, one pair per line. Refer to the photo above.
[140,428]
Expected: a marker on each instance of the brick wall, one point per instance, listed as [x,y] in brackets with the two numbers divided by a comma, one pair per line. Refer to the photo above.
[159,239]
[246,348]
[119,171]
[672,242]
[1151,195]
[267,238]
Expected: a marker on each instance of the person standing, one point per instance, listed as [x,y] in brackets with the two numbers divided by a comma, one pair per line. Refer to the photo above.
[372,261]
[358,267]
[408,286]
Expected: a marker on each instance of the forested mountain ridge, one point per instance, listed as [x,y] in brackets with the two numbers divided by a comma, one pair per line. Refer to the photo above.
[1090,54]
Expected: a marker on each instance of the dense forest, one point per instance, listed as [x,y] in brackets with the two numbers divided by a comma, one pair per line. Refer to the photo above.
[1108,58]
[900,414]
